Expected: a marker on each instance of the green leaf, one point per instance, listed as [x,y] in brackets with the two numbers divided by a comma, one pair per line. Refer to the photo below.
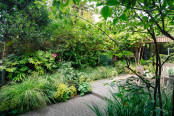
[76,1]
[123,17]
[157,110]
[21,1]
[114,21]
[112,2]
[153,101]
[145,18]
[99,4]
[106,12]
[60,15]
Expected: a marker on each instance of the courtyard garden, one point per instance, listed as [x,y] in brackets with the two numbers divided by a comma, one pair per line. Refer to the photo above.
[58,51]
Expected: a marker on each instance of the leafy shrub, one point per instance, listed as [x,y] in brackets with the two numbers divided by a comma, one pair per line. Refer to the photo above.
[18,67]
[68,72]
[81,48]
[133,67]
[171,72]
[164,57]
[64,92]
[73,83]
[150,67]
[98,72]
[84,88]
[120,66]
[84,79]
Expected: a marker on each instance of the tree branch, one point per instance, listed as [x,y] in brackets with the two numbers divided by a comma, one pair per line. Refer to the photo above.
[141,77]
[162,30]
[166,59]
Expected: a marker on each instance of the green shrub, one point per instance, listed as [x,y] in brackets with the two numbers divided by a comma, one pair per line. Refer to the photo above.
[150,67]
[64,92]
[73,83]
[84,88]
[18,67]
[133,67]
[171,72]
[166,100]
[68,72]
[98,72]
[120,66]
[164,57]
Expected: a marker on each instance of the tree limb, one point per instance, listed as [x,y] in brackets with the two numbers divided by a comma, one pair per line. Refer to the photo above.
[166,59]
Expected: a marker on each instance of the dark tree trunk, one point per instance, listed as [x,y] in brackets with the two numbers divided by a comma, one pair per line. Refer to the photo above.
[4,55]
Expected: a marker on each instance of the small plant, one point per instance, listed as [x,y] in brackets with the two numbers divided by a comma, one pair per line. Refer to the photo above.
[64,92]
[171,72]
[68,72]
[84,88]
[120,66]
[73,83]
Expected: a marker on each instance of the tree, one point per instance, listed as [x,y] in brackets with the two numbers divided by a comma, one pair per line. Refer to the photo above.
[22,29]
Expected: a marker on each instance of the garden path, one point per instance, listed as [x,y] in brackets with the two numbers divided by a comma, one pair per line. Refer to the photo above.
[77,106]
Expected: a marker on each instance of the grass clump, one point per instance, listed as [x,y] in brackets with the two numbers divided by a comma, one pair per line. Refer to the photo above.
[25,96]
[31,94]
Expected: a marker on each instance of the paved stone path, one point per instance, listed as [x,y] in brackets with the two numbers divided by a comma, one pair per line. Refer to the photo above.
[78,105]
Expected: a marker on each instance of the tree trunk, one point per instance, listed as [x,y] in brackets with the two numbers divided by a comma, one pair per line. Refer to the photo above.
[4,55]
[114,59]
[173,101]
[136,53]
[139,54]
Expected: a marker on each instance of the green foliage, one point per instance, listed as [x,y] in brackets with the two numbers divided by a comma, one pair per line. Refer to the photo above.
[18,67]
[64,92]
[68,72]
[132,99]
[23,97]
[81,48]
[41,90]
[124,103]
[106,12]
[120,66]
[23,28]
[171,72]
[99,72]
[164,57]
[150,67]
[84,88]
[73,83]
[166,99]
[31,94]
